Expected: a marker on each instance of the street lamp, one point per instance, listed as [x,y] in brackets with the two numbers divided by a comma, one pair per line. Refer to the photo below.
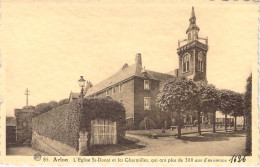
[82,135]
[82,85]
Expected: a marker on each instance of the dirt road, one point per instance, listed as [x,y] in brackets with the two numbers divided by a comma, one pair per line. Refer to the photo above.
[219,144]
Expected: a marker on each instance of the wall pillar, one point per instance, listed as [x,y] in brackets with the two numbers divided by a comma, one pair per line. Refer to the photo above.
[83,140]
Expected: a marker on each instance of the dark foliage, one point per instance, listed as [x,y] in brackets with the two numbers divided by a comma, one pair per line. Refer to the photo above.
[29,107]
[63,123]
[248,115]
[60,124]
[63,101]
[44,107]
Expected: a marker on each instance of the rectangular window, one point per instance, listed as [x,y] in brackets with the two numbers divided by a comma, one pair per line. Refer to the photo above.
[147,85]
[120,87]
[147,103]
[107,93]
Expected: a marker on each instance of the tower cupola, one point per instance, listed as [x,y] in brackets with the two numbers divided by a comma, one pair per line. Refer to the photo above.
[193,29]
[193,53]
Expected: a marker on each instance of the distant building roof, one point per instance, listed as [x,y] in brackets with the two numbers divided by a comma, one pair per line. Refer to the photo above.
[161,76]
[74,95]
[124,73]
[88,86]
[10,121]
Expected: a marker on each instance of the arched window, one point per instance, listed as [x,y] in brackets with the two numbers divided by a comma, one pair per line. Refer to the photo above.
[186,63]
[200,62]
[196,35]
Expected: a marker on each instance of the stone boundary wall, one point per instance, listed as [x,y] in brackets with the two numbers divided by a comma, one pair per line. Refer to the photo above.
[51,147]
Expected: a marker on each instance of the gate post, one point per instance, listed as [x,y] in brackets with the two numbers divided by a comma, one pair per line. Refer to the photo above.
[83,140]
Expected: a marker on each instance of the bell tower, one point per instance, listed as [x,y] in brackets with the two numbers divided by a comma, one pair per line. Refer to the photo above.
[192,53]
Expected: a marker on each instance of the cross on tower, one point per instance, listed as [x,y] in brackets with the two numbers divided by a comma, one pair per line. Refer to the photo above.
[27,94]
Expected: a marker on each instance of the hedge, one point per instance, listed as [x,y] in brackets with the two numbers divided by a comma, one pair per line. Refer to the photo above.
[104,108]
[45,107]
[63,123]
[60,124]
[63,101]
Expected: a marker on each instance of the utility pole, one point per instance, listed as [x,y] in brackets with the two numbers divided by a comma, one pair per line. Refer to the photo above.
[27,94]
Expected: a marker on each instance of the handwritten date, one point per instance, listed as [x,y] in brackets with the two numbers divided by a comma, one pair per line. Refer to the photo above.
[237,158]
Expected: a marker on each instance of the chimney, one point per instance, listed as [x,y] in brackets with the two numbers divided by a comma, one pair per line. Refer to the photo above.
[138,58]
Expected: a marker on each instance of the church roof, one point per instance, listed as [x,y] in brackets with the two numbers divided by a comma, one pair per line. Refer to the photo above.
[134,70]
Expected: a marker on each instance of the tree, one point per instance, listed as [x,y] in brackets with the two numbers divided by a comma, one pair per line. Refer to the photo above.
[226,103]
[179,95]
[248,115]
[209,101]
[238,107]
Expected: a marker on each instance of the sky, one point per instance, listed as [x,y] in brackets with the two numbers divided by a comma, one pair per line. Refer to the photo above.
[47,45]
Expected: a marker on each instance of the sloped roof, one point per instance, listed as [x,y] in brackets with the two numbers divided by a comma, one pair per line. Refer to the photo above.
[88,86]
[163,77]
[74,95]
[134,70]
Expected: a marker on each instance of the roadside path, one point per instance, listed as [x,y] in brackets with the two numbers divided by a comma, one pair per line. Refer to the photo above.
[22,150]
[209,144]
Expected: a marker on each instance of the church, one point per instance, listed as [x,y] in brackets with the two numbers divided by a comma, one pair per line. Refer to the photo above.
[137,88]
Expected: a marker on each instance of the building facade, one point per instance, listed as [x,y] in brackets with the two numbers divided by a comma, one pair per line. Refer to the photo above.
[137,88]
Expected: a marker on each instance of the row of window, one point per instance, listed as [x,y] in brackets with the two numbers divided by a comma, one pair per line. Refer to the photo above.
[147,86]
[114,90]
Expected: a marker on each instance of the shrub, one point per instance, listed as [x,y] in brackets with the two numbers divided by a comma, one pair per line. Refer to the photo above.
[63,101]
[29,107]
[104,108]
[53,104]
[44,107]
[147,123]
